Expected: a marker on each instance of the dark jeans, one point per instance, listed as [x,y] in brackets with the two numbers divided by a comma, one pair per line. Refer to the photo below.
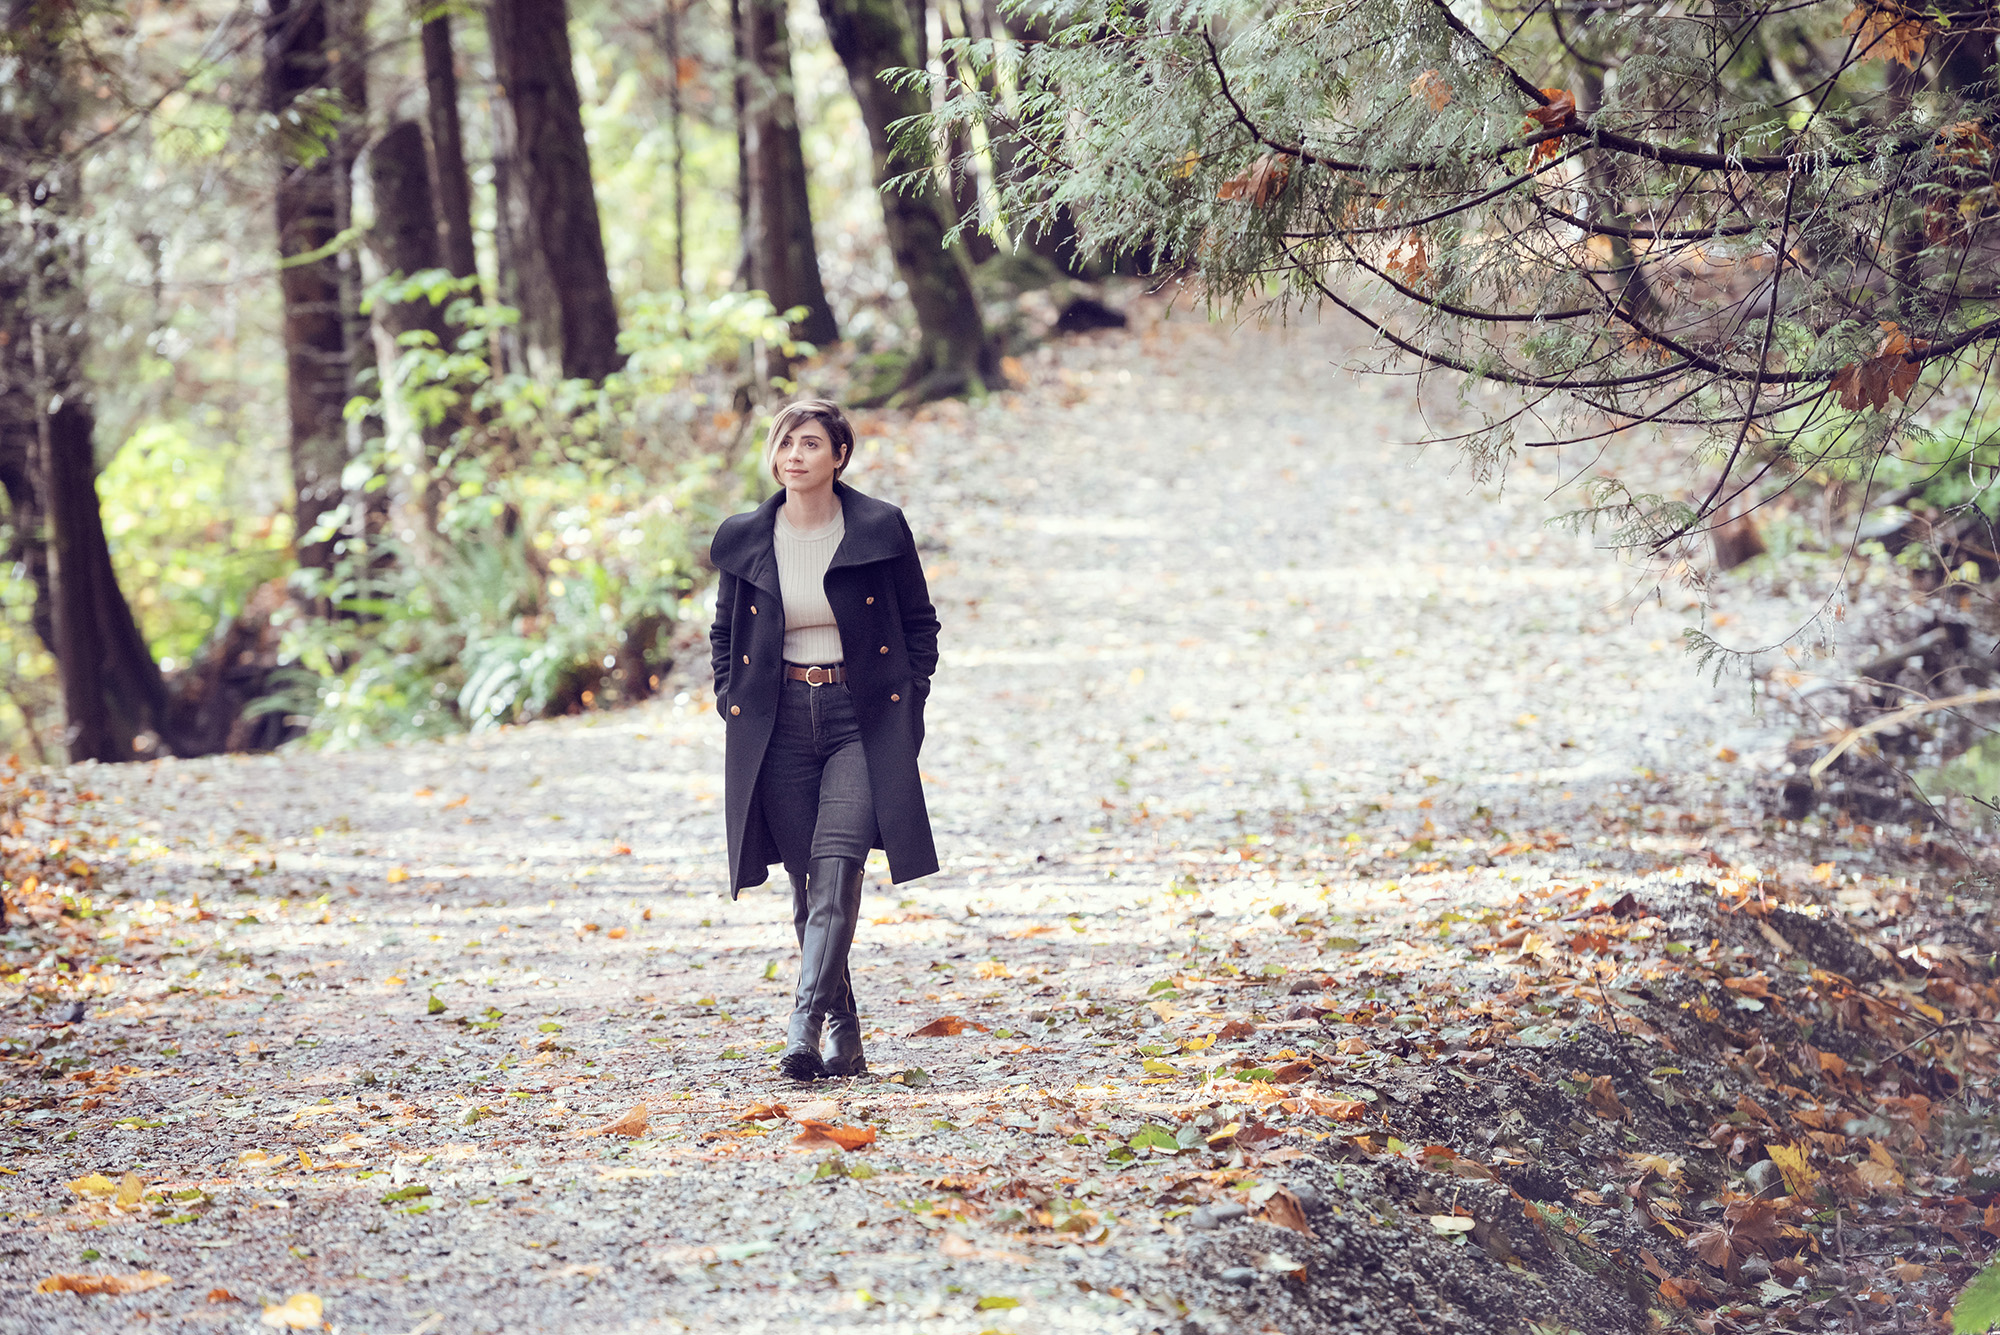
[814,784]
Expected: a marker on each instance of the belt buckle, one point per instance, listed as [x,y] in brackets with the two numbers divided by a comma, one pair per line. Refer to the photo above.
[815,680]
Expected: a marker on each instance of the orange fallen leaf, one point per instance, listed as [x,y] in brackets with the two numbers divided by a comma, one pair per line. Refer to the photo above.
[632,1124]
[458,802]
[1603,1100]
[948,1026]
[112,1284]
[1290,1072]
[815,1132]
[1235,1029]
[616,933]
[222,1296]
[621,850]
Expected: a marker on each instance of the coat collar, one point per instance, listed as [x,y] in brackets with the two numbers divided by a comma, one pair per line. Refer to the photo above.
[746,548]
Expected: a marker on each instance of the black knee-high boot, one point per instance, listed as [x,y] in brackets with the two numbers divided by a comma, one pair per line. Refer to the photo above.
[833,902]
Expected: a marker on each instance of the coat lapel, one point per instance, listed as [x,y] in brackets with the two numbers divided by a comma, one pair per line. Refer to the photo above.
[873,532]
[748,550]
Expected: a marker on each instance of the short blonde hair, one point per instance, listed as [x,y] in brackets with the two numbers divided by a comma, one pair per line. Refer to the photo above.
[824,411]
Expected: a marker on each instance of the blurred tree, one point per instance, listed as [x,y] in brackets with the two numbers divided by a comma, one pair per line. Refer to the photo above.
[551,245]
[112,690]
[309,81]
[407,242]
[782,259]
[873,38]
[452,184]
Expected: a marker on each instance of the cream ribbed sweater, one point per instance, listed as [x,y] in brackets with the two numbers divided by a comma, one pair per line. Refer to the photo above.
[812,636]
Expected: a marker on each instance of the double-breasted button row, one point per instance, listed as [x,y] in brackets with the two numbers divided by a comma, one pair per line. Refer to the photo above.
[753,609]
[746,658]
[893,697]
[736,709]
[885,649]
[871,601]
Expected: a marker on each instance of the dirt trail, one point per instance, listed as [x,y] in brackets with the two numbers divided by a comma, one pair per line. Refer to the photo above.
[1239,694]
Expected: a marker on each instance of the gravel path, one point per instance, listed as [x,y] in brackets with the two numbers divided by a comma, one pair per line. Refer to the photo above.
[1219,651]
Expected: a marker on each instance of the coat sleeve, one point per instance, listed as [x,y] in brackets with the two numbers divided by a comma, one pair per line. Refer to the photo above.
[718,632]
[920,620]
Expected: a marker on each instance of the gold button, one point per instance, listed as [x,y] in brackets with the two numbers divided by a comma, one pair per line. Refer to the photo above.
[885,649]
[871,602]
[753,609]
[735,709]
[746,658]
[894,698]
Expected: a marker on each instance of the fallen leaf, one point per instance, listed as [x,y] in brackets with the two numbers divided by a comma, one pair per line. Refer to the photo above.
[763,1112]
[1448,1224]
[816,1132]
[1800,1176]
[397,875]
[96,1184]
[301,1311]
[1235,1029]
[1291,1072]
[112,1284]
[222,1296]
[1284,1210]
[130,1189]
[1603,1100]
[632,1124]
[948,1026]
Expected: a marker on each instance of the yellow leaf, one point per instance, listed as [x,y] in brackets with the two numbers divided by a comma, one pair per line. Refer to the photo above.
[97,1184]
[301,1311]
[397,875]
[130,1189]
[1800,1176]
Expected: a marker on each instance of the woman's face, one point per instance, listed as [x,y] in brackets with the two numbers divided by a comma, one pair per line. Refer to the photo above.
[806,458]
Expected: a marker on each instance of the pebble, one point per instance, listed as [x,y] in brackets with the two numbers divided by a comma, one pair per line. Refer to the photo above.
[1242,1276]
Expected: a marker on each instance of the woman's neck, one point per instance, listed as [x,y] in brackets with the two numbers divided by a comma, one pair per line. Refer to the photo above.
[809,510]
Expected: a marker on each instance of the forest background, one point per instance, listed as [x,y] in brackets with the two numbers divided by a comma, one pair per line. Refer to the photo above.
[371,370]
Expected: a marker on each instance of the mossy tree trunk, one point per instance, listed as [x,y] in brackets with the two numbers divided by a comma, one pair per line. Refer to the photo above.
[451,183]
[954,354]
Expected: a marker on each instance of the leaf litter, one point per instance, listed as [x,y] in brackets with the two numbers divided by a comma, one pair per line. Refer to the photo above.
[1306,979]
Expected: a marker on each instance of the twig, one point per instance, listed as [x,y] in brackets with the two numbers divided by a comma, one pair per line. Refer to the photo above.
[1893,719]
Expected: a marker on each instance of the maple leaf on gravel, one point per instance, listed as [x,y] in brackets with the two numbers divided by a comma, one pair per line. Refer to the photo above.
[948,1026]
[632,1124]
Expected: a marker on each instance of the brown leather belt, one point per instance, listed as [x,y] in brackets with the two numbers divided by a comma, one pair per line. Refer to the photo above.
[816,676]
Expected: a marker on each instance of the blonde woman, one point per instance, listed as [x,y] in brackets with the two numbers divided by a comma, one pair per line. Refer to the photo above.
[824,643]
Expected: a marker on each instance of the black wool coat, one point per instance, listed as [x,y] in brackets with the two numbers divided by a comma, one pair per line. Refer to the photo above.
[888,635]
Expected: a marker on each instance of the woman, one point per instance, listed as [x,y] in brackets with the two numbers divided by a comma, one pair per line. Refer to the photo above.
[824,644]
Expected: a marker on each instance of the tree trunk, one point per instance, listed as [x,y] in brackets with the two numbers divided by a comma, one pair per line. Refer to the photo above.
[1057,241]
[311,201]
[778,235]
[452,183]
[112,690]
[551,206]
[670,40]
[953,353]
[406,240]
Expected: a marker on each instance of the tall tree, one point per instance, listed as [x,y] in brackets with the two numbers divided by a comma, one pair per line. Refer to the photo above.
[873,38]
[112,689]
[301,55]
[406,240]
[778,231]
[961,163]
[452,184]
[553,246]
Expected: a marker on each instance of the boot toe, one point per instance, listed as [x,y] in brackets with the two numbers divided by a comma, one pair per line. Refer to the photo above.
[801,1064]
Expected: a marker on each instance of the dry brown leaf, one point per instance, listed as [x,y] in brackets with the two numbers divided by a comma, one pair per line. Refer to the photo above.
[222,1296]
[1559,114]
[1603,1100]
[1291,1072]
[1432,88]
[763,1112]
[1409,260]
[815,1132]
[632,1124]
[1284,1210]
[112,1284]
[1889,31]
[1235,1029]
[1260,183]
[948,1026]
